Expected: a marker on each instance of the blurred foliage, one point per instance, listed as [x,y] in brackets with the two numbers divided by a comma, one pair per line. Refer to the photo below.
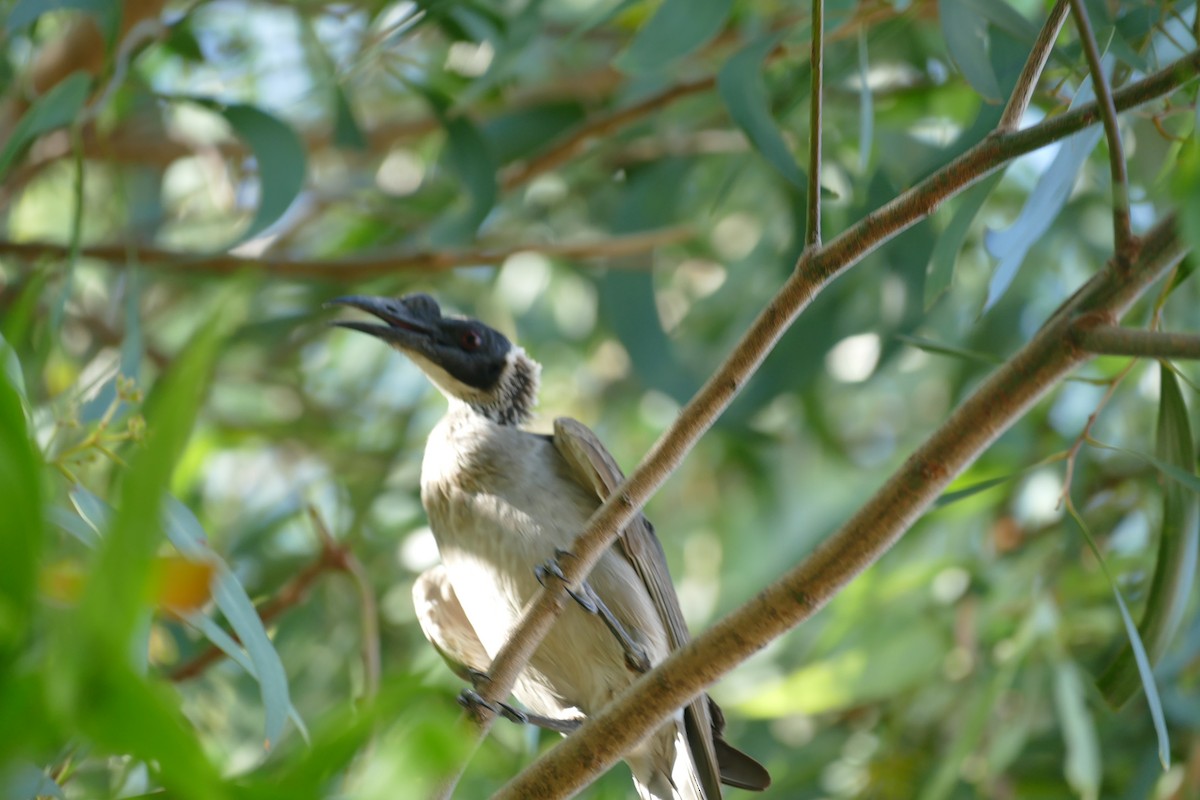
[313,134]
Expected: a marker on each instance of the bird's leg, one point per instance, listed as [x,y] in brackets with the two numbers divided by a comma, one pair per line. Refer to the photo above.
[472,700]
[635,655]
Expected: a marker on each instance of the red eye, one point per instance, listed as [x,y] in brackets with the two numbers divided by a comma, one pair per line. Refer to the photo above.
[470,340]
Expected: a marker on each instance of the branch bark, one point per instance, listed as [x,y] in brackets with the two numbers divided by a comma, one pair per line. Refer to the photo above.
[1116,341]
[817,267]
[1122,228]
[356,269]
[1001,400]
[1032,71]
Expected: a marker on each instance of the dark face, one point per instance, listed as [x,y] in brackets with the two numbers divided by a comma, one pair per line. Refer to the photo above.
[468,350]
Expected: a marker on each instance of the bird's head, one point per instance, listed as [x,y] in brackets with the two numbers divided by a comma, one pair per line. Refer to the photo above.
[466,360]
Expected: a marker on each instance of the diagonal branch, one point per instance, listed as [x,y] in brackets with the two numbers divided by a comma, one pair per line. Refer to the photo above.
[817,268]
[1122,229]
[999,402]
[1027,82]
[1116,341]
[812,238]
[358,269]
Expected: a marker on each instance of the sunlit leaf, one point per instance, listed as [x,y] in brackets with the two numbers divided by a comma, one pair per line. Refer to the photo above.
[73,524]
[55,109]
[968,40]
[740,83]
[1175,568]
[1047,199]
[677,28]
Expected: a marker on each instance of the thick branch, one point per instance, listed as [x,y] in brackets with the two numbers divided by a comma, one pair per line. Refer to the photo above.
[1001,400]
[1122,230]
[1116,341]
[817,60]
[356,269]
[817,267]
[1028,80]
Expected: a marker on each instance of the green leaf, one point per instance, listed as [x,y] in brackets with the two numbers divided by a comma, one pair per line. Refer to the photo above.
[949,244]
[1082,766]
[678,27]
[281,161]
[346,131]
[1145,671]
[56,108]
[982,486]
[1185,187]
[740,83]
[968,40]
[866,104]
[186,533]
[520,133]
[22,530]
[938,348]
[12,368]
[106,12]
[467,156]
[1175,568]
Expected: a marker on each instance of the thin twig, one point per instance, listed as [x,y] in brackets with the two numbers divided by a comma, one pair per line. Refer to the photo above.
[1116,341]
[1028,80]
[1086,434]
[1122,229]
[817,268]
[999,402]
[361,269]
[812,237]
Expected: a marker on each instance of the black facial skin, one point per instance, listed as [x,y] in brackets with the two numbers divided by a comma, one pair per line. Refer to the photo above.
[470,351]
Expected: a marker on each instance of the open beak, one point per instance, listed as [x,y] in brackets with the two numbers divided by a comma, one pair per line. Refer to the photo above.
[405,323]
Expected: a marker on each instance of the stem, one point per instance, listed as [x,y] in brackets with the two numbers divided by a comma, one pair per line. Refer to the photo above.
[1116,341]
[999,402]
[812,237]
[1027,82]
[1122,229]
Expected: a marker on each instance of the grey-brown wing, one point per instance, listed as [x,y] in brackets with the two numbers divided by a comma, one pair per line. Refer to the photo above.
[595,469]
[445,624]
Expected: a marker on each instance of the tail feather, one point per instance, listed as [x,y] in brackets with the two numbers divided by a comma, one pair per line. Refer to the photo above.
[664,770]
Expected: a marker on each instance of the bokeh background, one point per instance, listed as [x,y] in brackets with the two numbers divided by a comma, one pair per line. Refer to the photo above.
[618,185]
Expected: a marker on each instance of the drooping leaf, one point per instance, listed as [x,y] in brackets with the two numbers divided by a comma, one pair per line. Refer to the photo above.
[22,530]
[949,244]
[968,40]
[1042,207]
[678,27]
[281,160]
[1175,568]
[740,83]
[1082,764]
[55,109]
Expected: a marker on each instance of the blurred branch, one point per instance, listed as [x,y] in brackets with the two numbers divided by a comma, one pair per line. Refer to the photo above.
[332,558]
[999,402]
[1116,341]
[1122,228]
[812,237]
[1028,80]
[361,268]
[817,267]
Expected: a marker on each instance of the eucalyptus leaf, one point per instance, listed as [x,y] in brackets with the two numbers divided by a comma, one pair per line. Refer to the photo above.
[677,28]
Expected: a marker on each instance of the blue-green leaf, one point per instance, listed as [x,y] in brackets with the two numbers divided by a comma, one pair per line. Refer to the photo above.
[740,83]
[468,157]
[678,27]
[945,252]
[73,524]
[1082,765]
[281,162]
[1175,568]
[968,40]
[56,108]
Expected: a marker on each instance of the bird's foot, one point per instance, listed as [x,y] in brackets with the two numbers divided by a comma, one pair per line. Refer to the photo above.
[473,701]
[635,655]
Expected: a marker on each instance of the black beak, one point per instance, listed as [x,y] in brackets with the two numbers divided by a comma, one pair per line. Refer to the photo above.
[409,321]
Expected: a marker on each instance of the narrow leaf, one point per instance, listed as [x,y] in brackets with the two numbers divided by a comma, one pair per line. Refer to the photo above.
[866,105]
[740,83]
[678,27]
[22,529]
[54,109]
[281,160]
[1171,586]
[949,244]
[1082,766]
[967,38]
[468,157]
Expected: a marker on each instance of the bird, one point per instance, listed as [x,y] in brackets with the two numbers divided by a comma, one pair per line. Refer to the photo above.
[504,503]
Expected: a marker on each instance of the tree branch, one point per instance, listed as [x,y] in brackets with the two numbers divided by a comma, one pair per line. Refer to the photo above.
[357,269]
[1032,71]
[812,237]
[1001,400]
[1116,341]
[1122,229]
[817,267]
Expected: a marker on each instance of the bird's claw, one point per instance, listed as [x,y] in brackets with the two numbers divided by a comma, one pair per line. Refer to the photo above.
[636,658]
[551,569]
[472,701]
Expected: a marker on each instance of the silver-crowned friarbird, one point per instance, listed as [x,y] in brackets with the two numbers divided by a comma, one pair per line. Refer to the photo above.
[503,501]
